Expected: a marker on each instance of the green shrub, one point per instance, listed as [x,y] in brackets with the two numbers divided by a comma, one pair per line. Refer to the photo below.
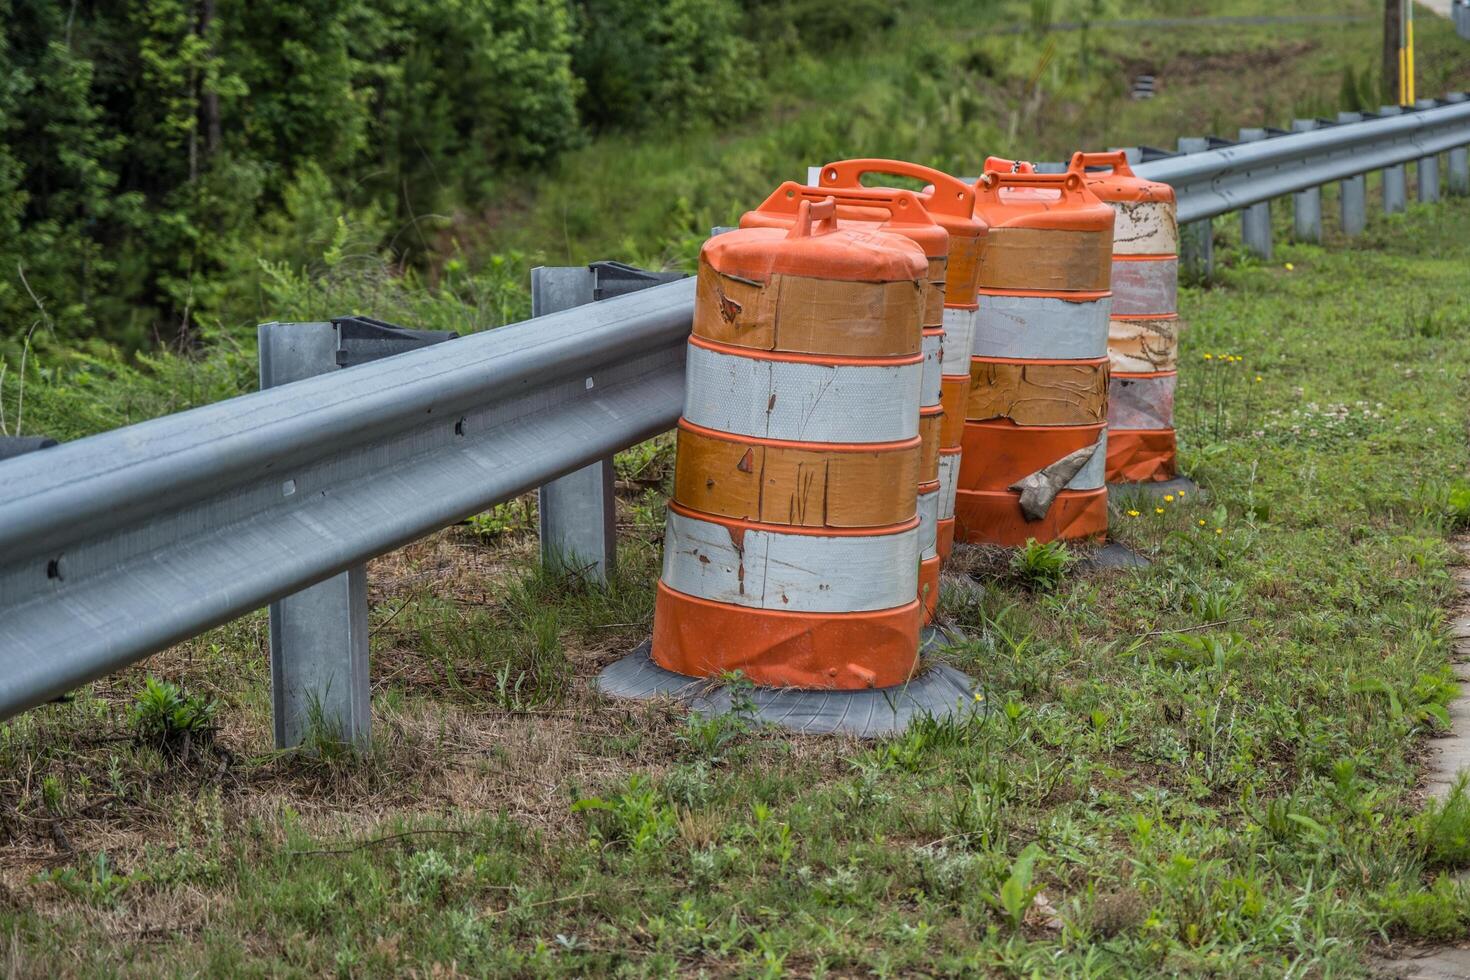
[1041,566]
[170,718]
[1443,829]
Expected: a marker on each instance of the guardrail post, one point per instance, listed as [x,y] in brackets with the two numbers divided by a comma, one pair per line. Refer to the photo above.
[1352,196]
[1459,176]
[578,518]
[318,636]
[1255,220]
[1197,239]
[1395,178]
[1307,204]
[1427,168]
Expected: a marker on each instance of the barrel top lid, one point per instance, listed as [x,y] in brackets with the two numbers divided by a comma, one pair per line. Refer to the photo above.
[811,244]
[1011,194]
[901,212]
[949,200]
[1118,182]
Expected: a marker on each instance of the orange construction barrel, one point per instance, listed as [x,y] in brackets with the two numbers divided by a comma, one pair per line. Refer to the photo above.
[1143,333]
[901,212]
[1037,407]
[951,203]
[792,543]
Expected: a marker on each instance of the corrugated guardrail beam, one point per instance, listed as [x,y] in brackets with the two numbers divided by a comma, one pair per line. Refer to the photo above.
[115,546]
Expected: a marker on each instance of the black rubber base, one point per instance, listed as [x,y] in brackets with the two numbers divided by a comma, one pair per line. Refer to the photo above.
[939,691]
[1113,555]
[1154,490]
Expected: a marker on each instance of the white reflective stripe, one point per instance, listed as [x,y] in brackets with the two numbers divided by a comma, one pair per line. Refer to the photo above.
[949,473]
[1145,228]
[1143,346]
[929,523]
[959,333]
[1091,476]
[790,572]
[795,400]
[1041,327]
[934,344]
[1141,402]
[1145,286]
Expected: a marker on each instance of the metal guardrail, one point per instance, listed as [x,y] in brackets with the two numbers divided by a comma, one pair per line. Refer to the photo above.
[116,546]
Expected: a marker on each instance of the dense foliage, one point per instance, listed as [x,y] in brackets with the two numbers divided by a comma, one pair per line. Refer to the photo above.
[154,152]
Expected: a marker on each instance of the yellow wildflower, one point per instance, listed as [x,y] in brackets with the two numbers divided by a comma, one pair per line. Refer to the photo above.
[1133,513]
[1209,357]
[1168,498]
[1158,510]
[1289,267]
[1202,522]
[1258,379]
[1219,530]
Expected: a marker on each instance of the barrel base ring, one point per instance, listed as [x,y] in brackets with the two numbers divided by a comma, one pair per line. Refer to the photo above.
[939,690]
[1154,490]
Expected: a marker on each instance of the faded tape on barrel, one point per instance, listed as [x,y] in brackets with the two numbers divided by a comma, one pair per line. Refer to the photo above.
[996,518]
[803,484]
[999,453]
[959,333]
[1145,286]
[1143,345]
[1040,327]
[763,568]
[1039,392]
[1145,228]
[1045,259]
[928,511]
[1142,401]
[949,473]
[934,341]
[809,316]
[931,425]
[962,274]
[802,400]
[933,318]
[952,398]
[774,648]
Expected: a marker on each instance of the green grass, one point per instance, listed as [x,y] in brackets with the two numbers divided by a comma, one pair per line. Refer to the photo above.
[1204,767]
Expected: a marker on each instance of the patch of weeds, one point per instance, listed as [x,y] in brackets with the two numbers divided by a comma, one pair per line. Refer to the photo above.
[96,883]
[512,517]
[1016,893]
[636,817]
[1041,566]
[1441,911]
[171,719]
[1443,829]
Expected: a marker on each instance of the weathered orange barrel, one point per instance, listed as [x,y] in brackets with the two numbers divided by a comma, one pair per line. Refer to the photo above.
[1143,333]
[1037,406]
[792,545]
[901,212]
[951,203]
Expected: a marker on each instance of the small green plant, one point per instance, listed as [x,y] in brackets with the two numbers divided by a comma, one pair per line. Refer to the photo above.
[95,883]
[1443,829]
[1016,893]
[171,719]
[1457,505]
[511,517]
[1041,566]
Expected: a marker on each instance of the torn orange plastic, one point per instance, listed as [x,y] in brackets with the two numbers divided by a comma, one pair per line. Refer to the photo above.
[929,587]
[1142,455]
[1038,392]
[949,201]
[1000,453]
[995,517]
[818,651]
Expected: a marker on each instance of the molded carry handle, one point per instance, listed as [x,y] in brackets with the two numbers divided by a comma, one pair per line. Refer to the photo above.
[903,206]
[950,195]
[808,211]
[1116,159]
[1002,165]
[1069,183]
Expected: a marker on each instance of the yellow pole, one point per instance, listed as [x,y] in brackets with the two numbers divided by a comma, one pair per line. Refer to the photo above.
[1409,53]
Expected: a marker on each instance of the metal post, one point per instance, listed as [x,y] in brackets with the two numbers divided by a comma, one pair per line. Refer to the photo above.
[1427,168]
[1395,178]
[1255,220]
[1353,191]
[1197,239]
[1307,204]
[578,514]
[318,636]
[1459,177]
